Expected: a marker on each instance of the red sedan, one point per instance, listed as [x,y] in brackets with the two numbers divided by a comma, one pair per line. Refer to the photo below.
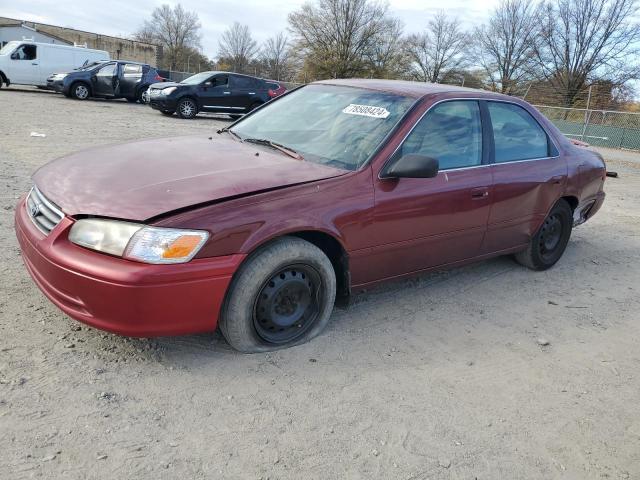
[329,188]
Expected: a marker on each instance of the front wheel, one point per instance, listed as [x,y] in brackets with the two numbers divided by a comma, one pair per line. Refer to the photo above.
[550,241]
[80,91]
[187,108]
[281,296]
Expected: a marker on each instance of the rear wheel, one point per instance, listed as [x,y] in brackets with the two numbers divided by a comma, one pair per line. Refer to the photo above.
[281,296]
[187,108]
[80,91]
[168,113]
[550,241]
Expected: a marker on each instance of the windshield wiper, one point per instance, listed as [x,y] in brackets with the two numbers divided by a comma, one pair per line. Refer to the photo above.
[226,129]
[283,148]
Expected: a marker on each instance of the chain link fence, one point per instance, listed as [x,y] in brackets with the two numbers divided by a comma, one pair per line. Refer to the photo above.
[604,128]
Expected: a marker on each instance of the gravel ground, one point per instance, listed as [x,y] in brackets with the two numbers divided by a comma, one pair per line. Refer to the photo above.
[439,377]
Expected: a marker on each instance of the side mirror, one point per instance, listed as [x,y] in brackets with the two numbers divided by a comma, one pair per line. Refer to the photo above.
[412,166]
[14,56]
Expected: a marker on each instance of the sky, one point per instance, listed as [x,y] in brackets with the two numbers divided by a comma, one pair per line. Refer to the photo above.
[264,18]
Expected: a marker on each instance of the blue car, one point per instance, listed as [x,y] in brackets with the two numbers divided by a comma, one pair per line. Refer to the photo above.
[107,79]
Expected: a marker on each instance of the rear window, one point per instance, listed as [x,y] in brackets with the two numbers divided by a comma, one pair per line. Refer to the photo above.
[272,85]
[517,136]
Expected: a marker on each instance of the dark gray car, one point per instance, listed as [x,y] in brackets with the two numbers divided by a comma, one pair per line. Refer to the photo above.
[109,79]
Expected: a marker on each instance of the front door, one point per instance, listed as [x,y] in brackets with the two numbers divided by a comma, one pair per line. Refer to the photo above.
[214,94]
[25,65]
[426,222]
[105,81]
[528,175]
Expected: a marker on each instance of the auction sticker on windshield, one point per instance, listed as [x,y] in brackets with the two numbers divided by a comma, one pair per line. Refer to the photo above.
[366,111]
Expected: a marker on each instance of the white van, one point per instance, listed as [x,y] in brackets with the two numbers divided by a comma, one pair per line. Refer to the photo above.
[30,63]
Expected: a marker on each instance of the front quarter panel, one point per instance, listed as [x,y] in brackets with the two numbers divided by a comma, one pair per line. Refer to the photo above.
[340,207]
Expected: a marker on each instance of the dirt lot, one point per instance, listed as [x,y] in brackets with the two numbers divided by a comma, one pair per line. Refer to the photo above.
[437,377]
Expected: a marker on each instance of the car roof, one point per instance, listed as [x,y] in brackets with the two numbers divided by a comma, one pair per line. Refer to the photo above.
[407,88]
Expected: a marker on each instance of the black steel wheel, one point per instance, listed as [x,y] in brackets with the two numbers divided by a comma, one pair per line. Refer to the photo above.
[282,295]
[550,241]
[288,304]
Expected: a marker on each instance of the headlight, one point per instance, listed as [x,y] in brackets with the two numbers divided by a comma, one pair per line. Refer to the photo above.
[59,76]
[168,91]
[138,242]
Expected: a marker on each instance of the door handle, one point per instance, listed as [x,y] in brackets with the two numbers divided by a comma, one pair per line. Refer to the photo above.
[252,93]
[227,93]
[34,63]
[480,192]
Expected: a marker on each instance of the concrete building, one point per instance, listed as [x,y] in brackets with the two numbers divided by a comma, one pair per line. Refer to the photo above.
[118,48]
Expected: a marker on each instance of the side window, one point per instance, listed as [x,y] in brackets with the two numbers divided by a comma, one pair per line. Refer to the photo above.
[221,81]
[242,82]
[450,132]
[516,134]
[25,52]
[131,70]
[107,71]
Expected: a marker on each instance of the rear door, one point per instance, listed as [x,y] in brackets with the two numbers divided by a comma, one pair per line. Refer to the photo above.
[528,176]
[105,81]
[25,64]
[130,78]
[243,92]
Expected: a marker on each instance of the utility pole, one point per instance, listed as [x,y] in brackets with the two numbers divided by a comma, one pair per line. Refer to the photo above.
[587,114]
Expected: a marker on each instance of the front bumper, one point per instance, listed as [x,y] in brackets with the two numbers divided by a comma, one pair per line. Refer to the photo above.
[122,296]
[160,102]
[57,85]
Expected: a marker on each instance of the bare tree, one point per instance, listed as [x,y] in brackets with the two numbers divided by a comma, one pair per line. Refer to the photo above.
[505,47]
[583,40]
[238,47]
[275,56]
[176,29]
[437,50]
[335,36]
[386,56]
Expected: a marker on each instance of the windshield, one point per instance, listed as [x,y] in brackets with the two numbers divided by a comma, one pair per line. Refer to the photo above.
[328,124]
[8,48]
[89,66]
[197,78]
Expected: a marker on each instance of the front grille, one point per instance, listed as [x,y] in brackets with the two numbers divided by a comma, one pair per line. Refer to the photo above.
[43,213]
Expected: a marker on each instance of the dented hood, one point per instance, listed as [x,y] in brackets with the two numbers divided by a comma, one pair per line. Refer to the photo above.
[144,179]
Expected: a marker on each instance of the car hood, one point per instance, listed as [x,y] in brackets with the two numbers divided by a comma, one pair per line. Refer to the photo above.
[144,179]
[163,85]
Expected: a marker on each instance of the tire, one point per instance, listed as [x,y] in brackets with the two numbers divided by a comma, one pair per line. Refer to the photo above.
[168,113]
[550,241]
[143,98]
[132,100]
[80,91]
[187,108]
[281,296]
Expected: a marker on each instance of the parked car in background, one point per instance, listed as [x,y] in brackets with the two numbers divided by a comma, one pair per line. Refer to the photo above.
[112,79]
[31,63]
[219,92]
[334,187]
